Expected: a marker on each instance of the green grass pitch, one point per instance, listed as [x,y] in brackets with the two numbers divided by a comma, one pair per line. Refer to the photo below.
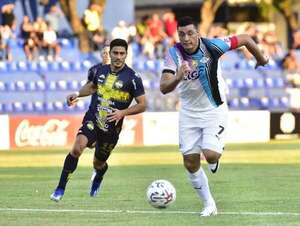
[260,192]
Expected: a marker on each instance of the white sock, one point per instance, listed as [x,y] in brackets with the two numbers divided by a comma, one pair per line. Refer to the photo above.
[212,166]
[200,183]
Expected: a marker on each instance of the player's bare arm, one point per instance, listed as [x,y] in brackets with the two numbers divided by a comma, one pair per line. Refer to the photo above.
[168,81]
[86,90]
[248,42]
[139,107]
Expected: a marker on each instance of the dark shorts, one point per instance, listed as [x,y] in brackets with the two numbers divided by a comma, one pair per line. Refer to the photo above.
[104,142]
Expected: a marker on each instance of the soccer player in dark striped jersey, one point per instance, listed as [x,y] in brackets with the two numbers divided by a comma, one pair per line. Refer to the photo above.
[192,66]
[113,87]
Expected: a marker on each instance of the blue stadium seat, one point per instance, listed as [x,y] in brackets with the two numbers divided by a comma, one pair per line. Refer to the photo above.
[22,66]
[76,66]
[138,65]
[8,107]
[20,86]
[54,66]
[40,85]
[249,82]
[62,85]
[12,66]
[38,106]
[238,83]
[244,103]
[2,86]
[234,103]
[265,102]
[149,65]
[3,66]
[59,106]
[31,86]
[86,64]
[43,66]
[65,43]
[49,107]
[65,66]
[258,83]
[11,86]
[18,107]
[33,66]
[51,86]
[28,107]
[1,108]
[73,85]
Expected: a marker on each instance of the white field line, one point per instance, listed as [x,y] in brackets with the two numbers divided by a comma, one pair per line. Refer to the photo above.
[145,212]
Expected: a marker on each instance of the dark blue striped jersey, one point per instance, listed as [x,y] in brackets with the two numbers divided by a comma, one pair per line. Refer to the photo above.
[114,91]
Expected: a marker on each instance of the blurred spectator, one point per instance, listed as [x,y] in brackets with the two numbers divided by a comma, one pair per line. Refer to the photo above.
[54,17]
[271,46]
[51,44]
[92,19]
[296,39]
[121,31]
[31,47]
[8,17]
[170,25]
[291,65]
[5,37]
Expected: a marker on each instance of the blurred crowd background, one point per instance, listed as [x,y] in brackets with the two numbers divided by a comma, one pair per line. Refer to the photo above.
[47,46]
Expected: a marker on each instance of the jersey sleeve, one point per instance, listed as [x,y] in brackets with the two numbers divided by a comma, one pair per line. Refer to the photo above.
[137,86]
[170,61]
[222,45]
[92,72]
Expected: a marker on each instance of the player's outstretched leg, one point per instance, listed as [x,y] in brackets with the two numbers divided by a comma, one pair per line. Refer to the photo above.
[200,183]
[69,167]
[96,179]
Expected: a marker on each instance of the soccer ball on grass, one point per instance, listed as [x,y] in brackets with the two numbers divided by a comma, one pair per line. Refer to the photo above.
[161,193]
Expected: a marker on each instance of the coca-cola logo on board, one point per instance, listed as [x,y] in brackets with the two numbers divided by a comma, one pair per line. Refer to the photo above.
[51,133]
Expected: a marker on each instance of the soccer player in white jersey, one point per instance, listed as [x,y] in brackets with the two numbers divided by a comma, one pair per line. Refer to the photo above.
[192,66]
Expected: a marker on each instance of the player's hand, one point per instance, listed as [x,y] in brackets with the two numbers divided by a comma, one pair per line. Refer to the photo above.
[72,99]
[116,116]
[262,62]
[184,69]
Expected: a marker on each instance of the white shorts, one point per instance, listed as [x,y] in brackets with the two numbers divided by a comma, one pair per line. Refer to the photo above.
[206,130]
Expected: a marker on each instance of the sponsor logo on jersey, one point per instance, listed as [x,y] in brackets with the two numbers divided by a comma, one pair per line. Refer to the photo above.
[119,84]
[90,125]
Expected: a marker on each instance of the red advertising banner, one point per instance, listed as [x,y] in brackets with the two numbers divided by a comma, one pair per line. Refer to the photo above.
[60,130]
[43,131]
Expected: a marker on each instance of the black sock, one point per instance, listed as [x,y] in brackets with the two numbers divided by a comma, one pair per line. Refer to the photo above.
[100,173]
[70,165]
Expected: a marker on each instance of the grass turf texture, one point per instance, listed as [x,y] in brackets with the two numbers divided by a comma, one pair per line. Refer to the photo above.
[258,185]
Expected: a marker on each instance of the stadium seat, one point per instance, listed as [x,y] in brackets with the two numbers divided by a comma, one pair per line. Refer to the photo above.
[31,86]
[61,85]
[149,65]
[33,66]
[244,103]
[86,64]
[22,66]
[65,66]
[38,106]
[18,107]
[51,86]
[58,105]
[43,66]
[76,66]
[7,107]
[258,83]
[40,85]
[49,107]
[11,86]
[2,86]
[73,85]
[20,86]
[54,66]
[80,106]
[238,83]
[28,107]
[3,66]
[12,66]
[249,82]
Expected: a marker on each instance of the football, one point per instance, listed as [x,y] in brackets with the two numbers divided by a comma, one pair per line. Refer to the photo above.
[161,193]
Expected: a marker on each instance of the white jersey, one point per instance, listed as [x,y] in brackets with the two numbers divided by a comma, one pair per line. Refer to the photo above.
[203,88]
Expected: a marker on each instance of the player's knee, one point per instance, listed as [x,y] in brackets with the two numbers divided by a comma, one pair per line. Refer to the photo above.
[77,150]
[211,156]
[98,164]
[191,166]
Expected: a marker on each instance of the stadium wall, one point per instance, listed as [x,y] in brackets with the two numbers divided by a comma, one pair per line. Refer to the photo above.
[150,128]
